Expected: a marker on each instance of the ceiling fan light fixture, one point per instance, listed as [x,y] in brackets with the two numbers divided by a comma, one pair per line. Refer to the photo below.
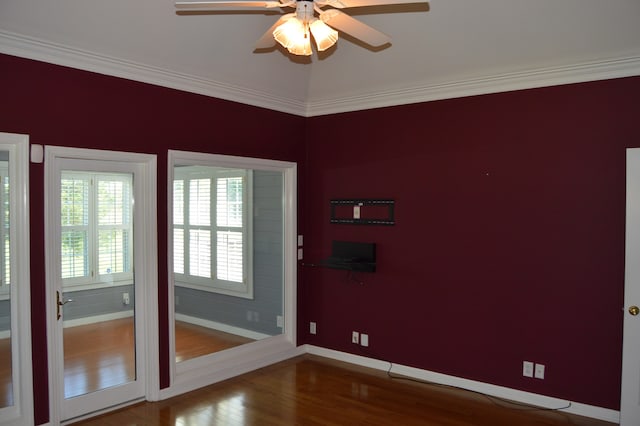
[324,35]
[294,37]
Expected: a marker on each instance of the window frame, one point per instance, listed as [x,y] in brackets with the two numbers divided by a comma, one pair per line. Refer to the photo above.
[213,284]
[5,233]
[94,279]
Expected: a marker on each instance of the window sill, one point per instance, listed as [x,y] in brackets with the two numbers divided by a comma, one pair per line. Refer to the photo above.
[244,294]
[94,286]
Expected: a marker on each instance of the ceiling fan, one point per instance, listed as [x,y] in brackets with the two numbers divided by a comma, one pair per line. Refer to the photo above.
[293,30]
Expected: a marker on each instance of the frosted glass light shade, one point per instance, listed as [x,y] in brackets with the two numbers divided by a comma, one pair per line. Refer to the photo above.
[293,36]
[324,35]
[303,47]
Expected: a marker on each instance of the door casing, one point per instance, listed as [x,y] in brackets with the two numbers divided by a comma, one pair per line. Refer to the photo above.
[146,267]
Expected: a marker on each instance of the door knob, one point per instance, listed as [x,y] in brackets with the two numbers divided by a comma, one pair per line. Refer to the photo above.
[60,303]
[634,310]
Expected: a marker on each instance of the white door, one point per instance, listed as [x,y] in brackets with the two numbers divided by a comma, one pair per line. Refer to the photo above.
[98,278]
[630,400]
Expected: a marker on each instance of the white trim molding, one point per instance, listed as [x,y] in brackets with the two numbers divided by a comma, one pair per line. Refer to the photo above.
[225,328]
[482,85]
[537,400]
[21,411]
[416,92]
[45,51]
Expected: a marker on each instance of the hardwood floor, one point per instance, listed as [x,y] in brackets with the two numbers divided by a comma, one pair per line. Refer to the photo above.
[309,390]
[306,390]
[102,355]
[98,356]
[193,341]
[6,385]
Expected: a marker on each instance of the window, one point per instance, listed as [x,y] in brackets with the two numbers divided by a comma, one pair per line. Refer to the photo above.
[5,253]
[211,229]
[96,228]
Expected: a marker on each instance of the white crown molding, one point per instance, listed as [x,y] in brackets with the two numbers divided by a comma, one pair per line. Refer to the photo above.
[31,48]
[41,50]
[543,77]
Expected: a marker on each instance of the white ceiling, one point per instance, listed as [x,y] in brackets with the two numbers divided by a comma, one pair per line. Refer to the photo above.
[456,48]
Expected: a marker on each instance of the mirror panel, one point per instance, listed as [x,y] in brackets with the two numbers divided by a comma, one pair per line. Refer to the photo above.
[227,229]
[16,394]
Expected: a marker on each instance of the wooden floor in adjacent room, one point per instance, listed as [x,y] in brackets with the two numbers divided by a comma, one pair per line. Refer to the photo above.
[310,390]
[6,385]
[102,354]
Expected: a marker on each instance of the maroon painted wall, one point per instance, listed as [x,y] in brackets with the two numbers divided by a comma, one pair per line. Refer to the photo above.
[509,241]
[61,106]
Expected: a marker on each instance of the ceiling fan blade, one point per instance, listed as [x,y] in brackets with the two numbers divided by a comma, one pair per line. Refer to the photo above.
[267,41]
[341,4]
[345,23]
[211,5]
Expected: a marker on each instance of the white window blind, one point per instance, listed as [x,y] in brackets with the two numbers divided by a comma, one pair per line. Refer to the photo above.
[210,232]
[96,227]
[229,221]
[74,204]
[5,253]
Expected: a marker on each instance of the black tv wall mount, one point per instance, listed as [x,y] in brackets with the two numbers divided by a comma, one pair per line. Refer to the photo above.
[359,211]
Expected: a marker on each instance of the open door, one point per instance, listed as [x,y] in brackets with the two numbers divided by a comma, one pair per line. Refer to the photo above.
[630,401]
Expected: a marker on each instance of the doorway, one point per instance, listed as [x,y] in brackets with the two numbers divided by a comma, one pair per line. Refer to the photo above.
[630,393]
[101,260]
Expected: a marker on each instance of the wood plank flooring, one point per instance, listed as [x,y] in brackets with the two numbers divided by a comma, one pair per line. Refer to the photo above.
[312,391]
[98,356]
[193,341]
[101,355]
[6,385]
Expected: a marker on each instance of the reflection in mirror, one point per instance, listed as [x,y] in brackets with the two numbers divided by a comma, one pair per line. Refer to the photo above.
[228,257]
[97,276]
[6,382]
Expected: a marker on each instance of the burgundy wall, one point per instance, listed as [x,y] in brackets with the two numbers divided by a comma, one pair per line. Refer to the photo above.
[509,241]
[66,107]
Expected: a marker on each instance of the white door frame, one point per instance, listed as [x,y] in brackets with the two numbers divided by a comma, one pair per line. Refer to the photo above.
[21,412]
[630,392]
[146,268]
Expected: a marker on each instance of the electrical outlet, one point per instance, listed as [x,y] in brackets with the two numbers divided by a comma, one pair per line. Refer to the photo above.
[279,321]
[539,371]
[364,339]
[355,337]
[527,368]
[125,299]
[312,327]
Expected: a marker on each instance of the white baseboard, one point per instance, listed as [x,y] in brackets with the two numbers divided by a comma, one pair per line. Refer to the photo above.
[222,327]
[5,334]
[472,385]
[97,318]
[213,368]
